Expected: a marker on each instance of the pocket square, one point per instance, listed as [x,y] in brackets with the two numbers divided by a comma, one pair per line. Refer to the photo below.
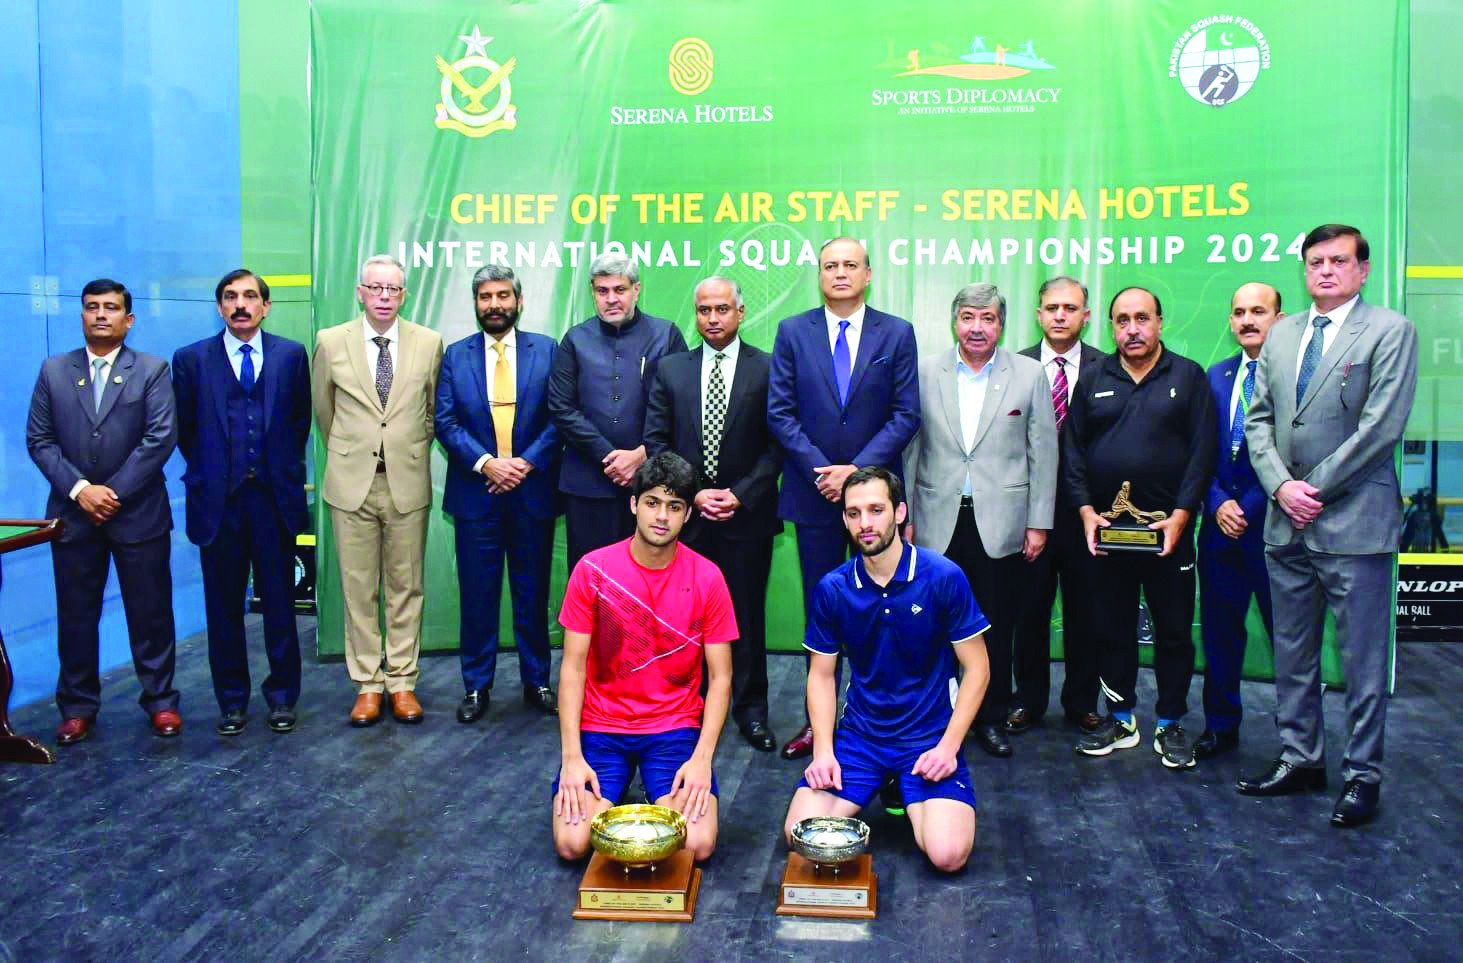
[1013,411]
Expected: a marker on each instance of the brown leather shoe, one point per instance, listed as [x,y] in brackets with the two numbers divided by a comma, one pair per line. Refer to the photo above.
[799,745]
[405,707]
[166,723]
[367,710]
[74,730]
[1087,721]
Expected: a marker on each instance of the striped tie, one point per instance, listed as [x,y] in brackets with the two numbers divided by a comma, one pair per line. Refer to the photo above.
[1059,391]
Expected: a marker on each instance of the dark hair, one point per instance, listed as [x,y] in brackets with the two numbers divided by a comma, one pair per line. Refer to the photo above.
[1050,283]
[234,275]
[1157,305]
[1328,232]
[862,476]
[669,471]
[108,286]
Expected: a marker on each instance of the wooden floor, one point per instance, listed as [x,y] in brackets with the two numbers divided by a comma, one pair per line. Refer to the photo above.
[431,843]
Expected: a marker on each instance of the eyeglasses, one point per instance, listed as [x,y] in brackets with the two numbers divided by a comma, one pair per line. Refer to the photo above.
[390,290]
[722,310]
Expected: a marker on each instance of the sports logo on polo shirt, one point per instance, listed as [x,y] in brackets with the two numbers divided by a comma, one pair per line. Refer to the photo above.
[915,609]
[1219,58]
[469,83]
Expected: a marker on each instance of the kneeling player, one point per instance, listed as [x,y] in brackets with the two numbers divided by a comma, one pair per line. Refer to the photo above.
[638,617]
[902,616]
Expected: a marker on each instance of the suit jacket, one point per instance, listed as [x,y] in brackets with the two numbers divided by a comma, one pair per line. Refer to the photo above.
[1091,359]
[1234,477]
[1343,437]
[1012,465]
[873,428]
[124,445]
[749,459]
[202,376]
[464,422]
[354,426]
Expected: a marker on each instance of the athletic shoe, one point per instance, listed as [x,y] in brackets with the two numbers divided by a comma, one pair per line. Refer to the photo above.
[1112,734]
[892,796]
[1172,743]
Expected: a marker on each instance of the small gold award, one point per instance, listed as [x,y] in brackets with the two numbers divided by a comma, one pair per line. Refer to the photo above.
[1131,534]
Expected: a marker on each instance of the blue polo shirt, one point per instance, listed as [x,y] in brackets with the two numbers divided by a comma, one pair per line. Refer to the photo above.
[898,641]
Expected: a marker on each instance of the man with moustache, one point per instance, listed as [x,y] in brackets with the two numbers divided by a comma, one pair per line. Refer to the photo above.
[492,418]
[843,393]
[597,395]
[243,423]
[102,424]
[1333,391]
[983,474]
[1062,313]
[709,405]
[1231,548]
[1144,424]
[375,384]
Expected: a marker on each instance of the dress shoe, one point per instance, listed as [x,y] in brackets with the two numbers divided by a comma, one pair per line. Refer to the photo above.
[367,710]
[992,740]
[73,731]
[167,723]
[1088,722]
[1212,743]
[282,718]
[1358,804]
[799,745]
[232,722]
[1017,720]
[405,708]
[759,737]
[541,698]
[473,706]
[1282,778]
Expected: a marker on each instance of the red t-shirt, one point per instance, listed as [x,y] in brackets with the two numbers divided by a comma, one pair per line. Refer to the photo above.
[646,628]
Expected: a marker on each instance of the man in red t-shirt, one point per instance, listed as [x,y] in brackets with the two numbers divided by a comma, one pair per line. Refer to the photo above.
[639,616]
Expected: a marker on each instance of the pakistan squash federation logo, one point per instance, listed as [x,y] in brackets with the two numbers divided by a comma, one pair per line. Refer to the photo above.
[477,96]
[1219,58]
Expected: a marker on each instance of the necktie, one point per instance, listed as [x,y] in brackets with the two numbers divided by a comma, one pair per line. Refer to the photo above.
[504,401]
[713,419]
[1246,394]
[842,363]
[383,369]
[1059,390]
[246,369]
[98,381]
[1312,357]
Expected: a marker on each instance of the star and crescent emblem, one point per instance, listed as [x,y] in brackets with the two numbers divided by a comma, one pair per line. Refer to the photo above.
[477,95]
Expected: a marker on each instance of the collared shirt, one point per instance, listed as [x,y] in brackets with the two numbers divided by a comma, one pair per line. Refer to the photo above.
[391,334]
[236,357]
[728,365]
[855,328]
[490,363]
[1073,358]
[109,359]
[1337,316]
[971,387]
[898,639]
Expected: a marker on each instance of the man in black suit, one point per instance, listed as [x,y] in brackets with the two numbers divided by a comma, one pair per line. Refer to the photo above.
[102,424]
[709,405]
[1062,312]
[243,421]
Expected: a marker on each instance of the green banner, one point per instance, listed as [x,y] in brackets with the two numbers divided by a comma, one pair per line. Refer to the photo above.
[1183,146]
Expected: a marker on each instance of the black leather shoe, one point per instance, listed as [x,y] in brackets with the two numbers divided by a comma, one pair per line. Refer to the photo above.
[1088,722]
[1282,778]
[759,737]
[1212,744]
[472,707]
[232,723]
[282,718]
[543,699]
[1358,804]
[1017,720]
[992,740]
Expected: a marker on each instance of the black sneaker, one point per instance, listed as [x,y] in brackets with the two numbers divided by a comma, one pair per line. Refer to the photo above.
[1172,743]
[892,796]
[1112,734]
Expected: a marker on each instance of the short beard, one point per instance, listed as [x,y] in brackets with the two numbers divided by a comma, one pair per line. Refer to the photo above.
[885,540]
[493,325]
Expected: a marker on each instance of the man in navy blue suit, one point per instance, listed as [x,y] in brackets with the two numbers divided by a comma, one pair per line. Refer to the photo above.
[843,393]
[1231,543]
[502,487]
[243,422]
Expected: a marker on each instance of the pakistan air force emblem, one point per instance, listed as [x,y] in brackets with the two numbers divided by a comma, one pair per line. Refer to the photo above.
[477,97]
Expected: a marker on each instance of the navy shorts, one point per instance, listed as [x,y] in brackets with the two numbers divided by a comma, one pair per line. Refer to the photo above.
[614,757]
[867,765]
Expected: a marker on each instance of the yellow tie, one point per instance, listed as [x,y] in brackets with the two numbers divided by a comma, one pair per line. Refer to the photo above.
[503,402]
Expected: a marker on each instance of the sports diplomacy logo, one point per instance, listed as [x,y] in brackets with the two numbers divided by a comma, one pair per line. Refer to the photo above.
[690,68]
[1219,58]
[983,63]
[477,96]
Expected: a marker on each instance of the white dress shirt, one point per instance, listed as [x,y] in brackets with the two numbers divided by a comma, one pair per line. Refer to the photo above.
[393,336]
[728,367]
[1073,358]
[1338,317]
[971,387]
[236,357]
[855,327]
[490,363]
[109,359]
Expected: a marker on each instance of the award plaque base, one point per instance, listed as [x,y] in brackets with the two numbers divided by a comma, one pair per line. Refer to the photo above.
[851,893]
[1128,537]
[665,894]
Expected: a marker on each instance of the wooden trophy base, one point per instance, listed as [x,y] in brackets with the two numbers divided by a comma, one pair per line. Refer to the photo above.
[666,894]
[851,893]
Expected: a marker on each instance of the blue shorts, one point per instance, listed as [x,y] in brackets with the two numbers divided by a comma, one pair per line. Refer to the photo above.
[615,756]
[867,765]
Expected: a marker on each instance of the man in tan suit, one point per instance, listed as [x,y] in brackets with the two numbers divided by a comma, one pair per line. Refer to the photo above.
[374,385]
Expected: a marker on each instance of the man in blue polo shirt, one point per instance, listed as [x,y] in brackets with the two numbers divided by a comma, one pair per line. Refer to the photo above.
[903,617]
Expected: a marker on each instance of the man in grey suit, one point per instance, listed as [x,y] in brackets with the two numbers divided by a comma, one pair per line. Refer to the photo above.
[983,477]
[1332,394]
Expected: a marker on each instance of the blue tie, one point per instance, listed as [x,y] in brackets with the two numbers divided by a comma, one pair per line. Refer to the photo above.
[246,369]
[1247,394]
[842,363]
[1312,357]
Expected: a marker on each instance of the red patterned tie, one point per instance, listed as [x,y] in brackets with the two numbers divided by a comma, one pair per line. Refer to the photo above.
[1059,390]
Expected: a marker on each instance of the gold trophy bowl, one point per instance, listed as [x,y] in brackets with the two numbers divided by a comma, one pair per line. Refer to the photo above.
[830,842]
[638,837]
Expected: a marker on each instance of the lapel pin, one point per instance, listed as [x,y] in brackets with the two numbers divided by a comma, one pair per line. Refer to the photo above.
[1173,392]
[81,383]
[117,380]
